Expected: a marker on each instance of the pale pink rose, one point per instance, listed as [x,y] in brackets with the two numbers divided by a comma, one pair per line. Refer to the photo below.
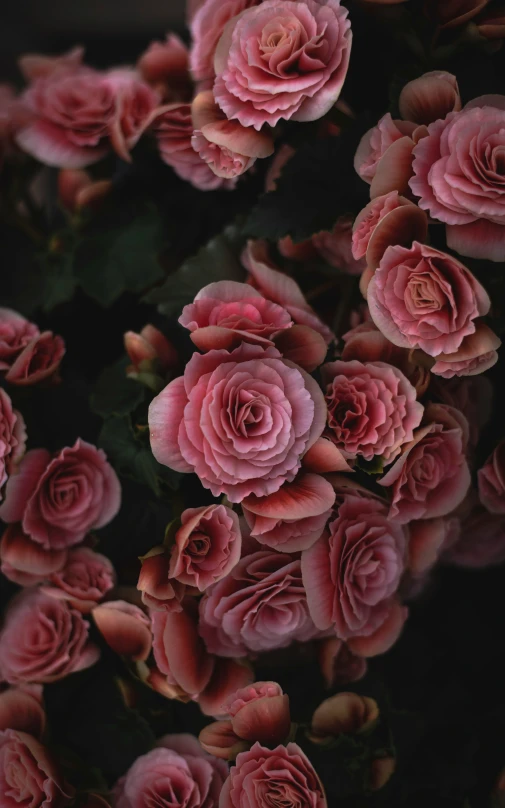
[292,518]
[77,190]
[352,574]
[24,561]
[376,142]
[28,774]
[430,97]
[21,709]
[338,664]
[60,498]
[423,298]
[37,65]
[388,220]
[477,353]
[261,772]
[135,103]
[177,773]
[207,26]
[480,541]
[280,288]
[83,581]
[159,591]
[457,177]
[43,640]
[125,628]
[372,408]
[39,360]
[12,439]
[260,713]
[335,246]
[492,481]
[16,332]
[206,547]
[344,712]
[165,65]
[241,420]
[283,60]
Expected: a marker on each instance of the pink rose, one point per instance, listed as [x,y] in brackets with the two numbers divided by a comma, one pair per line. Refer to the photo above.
[285,772]
[352,574]
[477,353]
[241,420]
[134,107]
[266,72]
[260,713]
[21,709]
[423,298]
[83,581]
[492,481]
[387,220]
[335,246]
[12,438]
[372,408]
[177,773]
[430,97]
[24,561]
[338,664]
[260,606]
[207,26]
[165,65]
[39,360]
[125,628]
[43,640]
[207,546]
[60,498]
[457,177]
[16,332]
[159,591]
[376,142]
[29,775]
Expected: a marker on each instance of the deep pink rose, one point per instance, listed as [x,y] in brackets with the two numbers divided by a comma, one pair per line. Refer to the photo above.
[43,640]
[165,65]
[335,246]
[60,498]
[477,353]
[39,360]
[84,580]
[12,438]
[125,628]
[423,298]
[372,408]
[15,334]
[24,561]
[240,420]
[492,481]
[262,774]
[388,220]
[338,664]
[206,27]
[292,518]
[260,606]
[283,60]
[177,774]
[206,547]
[21,709]
[430,97]
[376,142]
[352,574]
[28,774]
[159,591]
[458,177]
[260,713]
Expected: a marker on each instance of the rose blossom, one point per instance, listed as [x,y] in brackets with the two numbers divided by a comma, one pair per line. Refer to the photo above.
[39,360]
[259,606]
[477,353]
[283,60]
[492,481]
[376,142]
[37,65]
[261,774]
[430,97]
[206,28]
[260,712]
[458,177]
[423,298]
[15,334]
[372,408]
[28,774]
[352,574]
[206,547]
[218,739]
[387,220]
[84,580]
[241,420]
[21,709]
[60,498]
[43,640]
[178,773]
[12,438]
[149,351]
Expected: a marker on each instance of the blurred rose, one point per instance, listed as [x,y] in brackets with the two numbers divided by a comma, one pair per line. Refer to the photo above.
[38,360]
[125,628]
[344,712]
[134,106]
[76,190]
[428,539]
[28,774]
[335,246]
[21,709]
[12,438]
[159,592]
[84,580]
[430,97]
[24,561]
[481,539]
[207,25]
[492,481]
[260,712]
[165,65]
[36,65]
[338,664]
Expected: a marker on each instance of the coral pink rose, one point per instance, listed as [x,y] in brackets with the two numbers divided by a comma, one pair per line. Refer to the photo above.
[61,498]
[16,332]
[260,606]
[260,713]
[335,246]
[28,774]
[206,547]
[83,581]
[12,438]
[492,481]
[24,561]
[387,220]
[240,420]
[458,179]
[266,72]
[372,408]
[338,664]
[430,97]
[165,65]
[423,298]
[226,313]
[159,591]
[294,517]
[285,772]
[376,142]
[177,773]
[207,26]
[21,709]
[352,574]
[477,353]
[125,628]
[39,360]
[43,640]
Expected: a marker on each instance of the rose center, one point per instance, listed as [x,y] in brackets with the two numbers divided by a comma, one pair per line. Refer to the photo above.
[199,544]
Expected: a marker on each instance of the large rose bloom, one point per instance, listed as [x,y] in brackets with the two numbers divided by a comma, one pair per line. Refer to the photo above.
[240,420]
[12,438]
[420,297]
[283,59]
[260,606]
[262,777]
[459,177]
[28,775]
[353,572]
[372,408]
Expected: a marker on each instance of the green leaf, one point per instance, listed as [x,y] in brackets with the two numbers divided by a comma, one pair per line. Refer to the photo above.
[374,466]
[218,260]
[115,393]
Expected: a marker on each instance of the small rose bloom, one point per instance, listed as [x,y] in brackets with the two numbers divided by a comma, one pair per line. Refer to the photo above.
[159,591]
[492,481]
[260,713]
[335,246]
[285,772]
[165,65]
[149,348]
[125,628]
[24,561]
[219,739]
[43,640]
[477,353]
[28,774]
[60,498]
[21,709]
[83,581]
[388,220]
[376,142]
[12,438]
[423,298]
[16,332]
[338,664]
[345,712]
[39,360]
[430,97]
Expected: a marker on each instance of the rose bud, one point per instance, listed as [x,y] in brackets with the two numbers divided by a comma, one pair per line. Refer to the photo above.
[492,481]
[39,360]
[76,190]
[430,97]
[125,628]
[345,712]
[166,66]
[219,739]
[381,770]
[21,709]
[28,774]
[159,591]
[260,712]
[338,664]
[149,352]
